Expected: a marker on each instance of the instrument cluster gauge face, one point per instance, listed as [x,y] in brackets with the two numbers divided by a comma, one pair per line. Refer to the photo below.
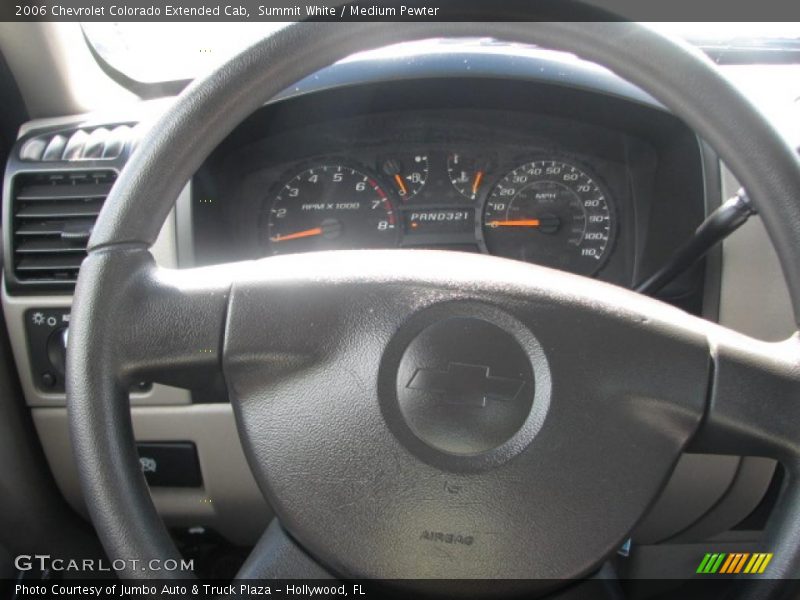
[468,173]
[551,213]
[330,207]
[407,172]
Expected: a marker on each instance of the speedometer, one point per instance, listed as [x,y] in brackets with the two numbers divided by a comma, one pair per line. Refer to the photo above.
[552,213]
[328,207]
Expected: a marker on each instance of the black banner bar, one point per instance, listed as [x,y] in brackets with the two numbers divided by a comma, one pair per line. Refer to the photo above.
[404,10]
[706,588]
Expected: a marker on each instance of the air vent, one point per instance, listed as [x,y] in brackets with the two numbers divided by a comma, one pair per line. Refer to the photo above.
[100,143]
[52,218]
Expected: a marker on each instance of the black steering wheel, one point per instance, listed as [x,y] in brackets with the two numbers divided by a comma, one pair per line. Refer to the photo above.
[319,353]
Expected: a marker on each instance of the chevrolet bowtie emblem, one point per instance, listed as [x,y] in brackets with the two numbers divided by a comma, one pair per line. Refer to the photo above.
[470,385]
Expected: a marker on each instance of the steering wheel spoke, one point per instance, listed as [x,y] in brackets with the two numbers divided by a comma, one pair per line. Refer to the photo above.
[754,399]
[171,324]
[165,325]
[278,556]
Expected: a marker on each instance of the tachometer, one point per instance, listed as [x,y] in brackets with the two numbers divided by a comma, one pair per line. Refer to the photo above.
[551,213]
[329,207]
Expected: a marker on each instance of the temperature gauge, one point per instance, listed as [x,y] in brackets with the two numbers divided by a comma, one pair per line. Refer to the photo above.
[467,173]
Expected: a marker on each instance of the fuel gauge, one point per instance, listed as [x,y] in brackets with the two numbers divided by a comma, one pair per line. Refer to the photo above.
[408,173]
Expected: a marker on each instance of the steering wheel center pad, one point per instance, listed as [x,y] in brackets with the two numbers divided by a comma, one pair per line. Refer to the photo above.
[468,454]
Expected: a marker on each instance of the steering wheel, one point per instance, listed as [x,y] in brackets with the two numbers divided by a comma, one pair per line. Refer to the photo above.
[416,414]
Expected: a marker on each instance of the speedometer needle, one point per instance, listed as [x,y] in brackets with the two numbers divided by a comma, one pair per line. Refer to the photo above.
[300,234]
[515,223]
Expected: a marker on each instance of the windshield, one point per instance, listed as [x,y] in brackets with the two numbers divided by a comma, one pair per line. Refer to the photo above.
[157,52]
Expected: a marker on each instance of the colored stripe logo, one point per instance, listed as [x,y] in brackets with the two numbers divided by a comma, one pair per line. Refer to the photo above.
[735,562]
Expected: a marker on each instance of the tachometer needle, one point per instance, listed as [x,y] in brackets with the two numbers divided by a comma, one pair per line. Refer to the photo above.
[515,223]
[477,182]
[297,235]
[401,184]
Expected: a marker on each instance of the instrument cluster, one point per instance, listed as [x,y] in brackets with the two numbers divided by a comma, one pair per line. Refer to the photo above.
[560,177]
[550,209]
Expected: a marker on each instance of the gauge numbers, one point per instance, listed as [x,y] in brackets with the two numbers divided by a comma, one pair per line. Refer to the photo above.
[328,207]
[551,213]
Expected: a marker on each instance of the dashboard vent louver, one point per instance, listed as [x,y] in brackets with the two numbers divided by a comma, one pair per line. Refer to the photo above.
[99,143]
[52,218]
